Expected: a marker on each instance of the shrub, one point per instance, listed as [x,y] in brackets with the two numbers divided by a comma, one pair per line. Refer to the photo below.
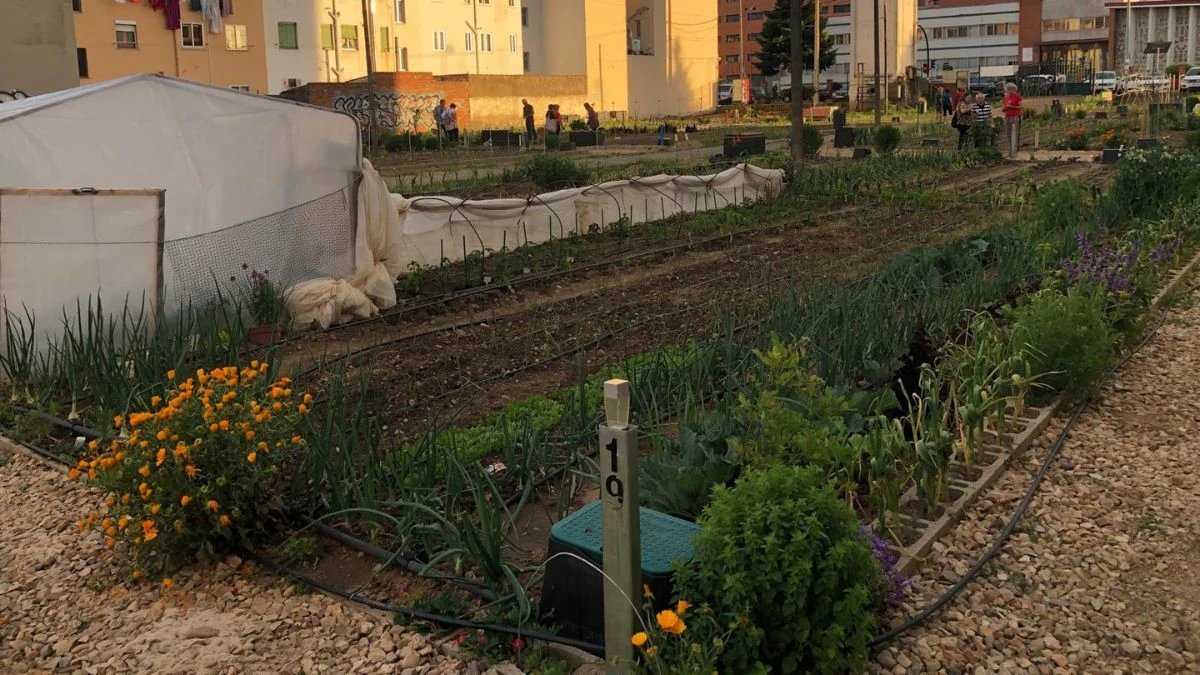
[813,139]
[887,139]
[553,141]
[198,472]
[1068,338]
[432,142]
[395,143]
[577,125]
[1192,141]
[783,552]
[1074,139]
[553,172]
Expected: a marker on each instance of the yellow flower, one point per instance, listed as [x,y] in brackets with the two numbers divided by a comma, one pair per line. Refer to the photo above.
[224,520]
[185,500]
[137,574]
[681,607]
[252,457]
[670,622]
[639,639]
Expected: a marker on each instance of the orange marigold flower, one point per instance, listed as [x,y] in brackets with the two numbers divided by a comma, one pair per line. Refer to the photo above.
[681,607]
[160,457]
[224,520]
[167,582]
[639,639]
[110,531]
[213,505]
[155,401]
[125,499]
[170,374]
[148,530]
[161,435]
[650,651]
[118,421]
[252,457]
[154,509]
[277,407]
[137,574]
[302,409]
[178,526]
[92,445]
[224,424]
[144,470]
[250,435]
[123,522]
[213,427]
[73,474]
[110,500]
[191,471]
[92,474]
[262,445]
[308,398]
[185,500]
[110,542]
[296,439]
[180,450]
[670,622]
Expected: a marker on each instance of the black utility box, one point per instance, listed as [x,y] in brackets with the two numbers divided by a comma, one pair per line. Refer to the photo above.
[584,139]
[502,138]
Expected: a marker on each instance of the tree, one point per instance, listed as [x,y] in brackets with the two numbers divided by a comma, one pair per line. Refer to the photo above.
[776,40]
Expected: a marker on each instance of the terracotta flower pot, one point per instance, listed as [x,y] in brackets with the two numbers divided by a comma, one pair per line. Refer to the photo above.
[263,335]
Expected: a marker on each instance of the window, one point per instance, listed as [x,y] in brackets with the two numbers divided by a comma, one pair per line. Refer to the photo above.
[287,35]
[81,57]
[754,16]
[439,40]
[398,12]
[753,37]
[385,39]
[402,63]
[960,31]
[512,3]
[731,18]
[468,42]
[525,61]
[235,38]
[484,2]
[637,29]
[731,58]
[733,38]
[192,34]
[840,39]
[485,43]
[77,5]
[841,9]
[127,35]
[524,16]
[349,38]
[241,87]
[512,43]
[326,36]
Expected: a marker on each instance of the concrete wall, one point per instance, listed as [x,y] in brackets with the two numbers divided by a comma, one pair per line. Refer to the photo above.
[37,46]
[680,76]
[897,33]
[496,99]
[162,51]
[500,19]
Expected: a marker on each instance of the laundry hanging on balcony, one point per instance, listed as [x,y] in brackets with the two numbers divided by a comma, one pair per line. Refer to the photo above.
[170,8]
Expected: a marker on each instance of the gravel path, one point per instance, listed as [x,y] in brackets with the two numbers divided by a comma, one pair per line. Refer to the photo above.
[62,611]
[1103,573]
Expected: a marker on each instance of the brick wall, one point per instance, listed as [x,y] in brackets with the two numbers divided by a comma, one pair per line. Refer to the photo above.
[406,100]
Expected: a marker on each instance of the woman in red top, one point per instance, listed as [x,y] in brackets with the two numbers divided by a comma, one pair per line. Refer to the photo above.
[1012,118]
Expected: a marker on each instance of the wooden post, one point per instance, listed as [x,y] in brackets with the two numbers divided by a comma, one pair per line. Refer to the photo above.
[621,528]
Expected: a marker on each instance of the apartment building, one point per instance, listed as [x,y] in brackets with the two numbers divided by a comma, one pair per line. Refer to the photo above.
[326,40]
[199,42]
[641,57]
[37,46]
[740,24]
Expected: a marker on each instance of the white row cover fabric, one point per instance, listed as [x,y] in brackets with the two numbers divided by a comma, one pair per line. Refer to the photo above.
[424,230]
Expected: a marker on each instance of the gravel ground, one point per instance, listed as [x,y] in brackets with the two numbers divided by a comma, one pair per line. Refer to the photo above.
[1103,573]
[62,610]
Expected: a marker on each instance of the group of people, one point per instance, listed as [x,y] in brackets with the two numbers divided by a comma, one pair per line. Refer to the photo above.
[445,119]
[972,117]
[554,119]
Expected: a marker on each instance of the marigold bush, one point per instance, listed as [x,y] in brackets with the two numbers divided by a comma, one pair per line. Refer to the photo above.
[197,472]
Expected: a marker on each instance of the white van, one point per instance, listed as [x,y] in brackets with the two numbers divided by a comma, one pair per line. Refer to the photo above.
[724,93]
[1105,80]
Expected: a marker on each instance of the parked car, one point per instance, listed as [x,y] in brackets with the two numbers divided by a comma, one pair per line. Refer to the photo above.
[785,94]
[988,86]
[724,93]
[839,94]
[1105,80]
[1191,80]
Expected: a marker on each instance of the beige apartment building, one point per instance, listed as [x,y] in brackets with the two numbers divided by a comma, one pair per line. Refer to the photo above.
[641,57]
[116,39]
[37,46]
[326,40]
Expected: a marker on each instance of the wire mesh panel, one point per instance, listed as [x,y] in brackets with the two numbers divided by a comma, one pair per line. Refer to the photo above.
[311,240]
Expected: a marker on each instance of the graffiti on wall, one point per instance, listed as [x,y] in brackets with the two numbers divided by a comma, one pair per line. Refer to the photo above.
[17,95]
[394,112]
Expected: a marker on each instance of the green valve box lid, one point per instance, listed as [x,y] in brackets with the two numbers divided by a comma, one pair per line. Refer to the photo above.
[665,539]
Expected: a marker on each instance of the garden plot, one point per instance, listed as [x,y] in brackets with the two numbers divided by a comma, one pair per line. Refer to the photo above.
[929,255]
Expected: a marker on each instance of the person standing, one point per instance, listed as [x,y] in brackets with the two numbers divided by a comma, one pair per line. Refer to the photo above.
[981,126]
[558,120]
[593,118]
[962,121]
[450,123]
[527,115]
[1012,118]
[947,103]
[438,113]
[959,95]
[551,125]
[939,110]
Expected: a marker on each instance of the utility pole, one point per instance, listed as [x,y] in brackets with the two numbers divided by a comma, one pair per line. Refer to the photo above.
[796,68]
[741,44]
[878,93]
[816,51]
[373,105]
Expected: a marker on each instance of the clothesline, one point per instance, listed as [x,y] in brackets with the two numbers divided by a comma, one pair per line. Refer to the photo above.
[213,11]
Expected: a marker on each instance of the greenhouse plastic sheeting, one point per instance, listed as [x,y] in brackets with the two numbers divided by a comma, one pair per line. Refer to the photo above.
[425,230]
[437,228]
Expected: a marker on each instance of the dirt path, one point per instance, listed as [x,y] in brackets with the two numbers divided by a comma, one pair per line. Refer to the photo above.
[421,376]
[63,608]
[1103,573]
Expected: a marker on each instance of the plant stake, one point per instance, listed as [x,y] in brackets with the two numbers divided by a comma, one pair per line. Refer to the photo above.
[621,526]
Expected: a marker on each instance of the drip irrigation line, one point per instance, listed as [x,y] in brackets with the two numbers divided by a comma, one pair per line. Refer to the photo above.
[1001,539]
[76,429]
[419,615]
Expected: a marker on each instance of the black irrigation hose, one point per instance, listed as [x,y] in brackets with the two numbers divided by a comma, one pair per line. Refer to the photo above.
[76,429]
[998,545]
[440,619]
